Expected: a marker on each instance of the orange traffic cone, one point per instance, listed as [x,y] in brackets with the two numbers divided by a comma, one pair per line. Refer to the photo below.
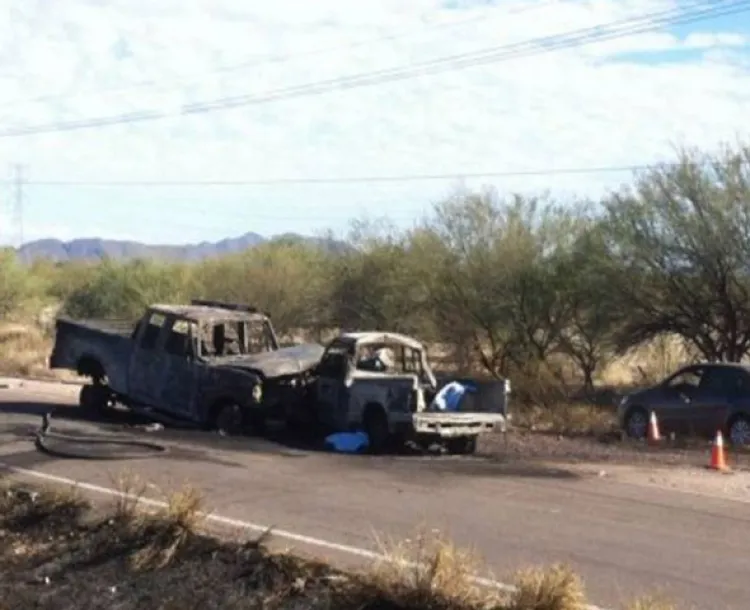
[653,429]
[718,458]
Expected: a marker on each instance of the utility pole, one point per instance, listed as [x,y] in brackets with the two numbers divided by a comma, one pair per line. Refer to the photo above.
[18,201]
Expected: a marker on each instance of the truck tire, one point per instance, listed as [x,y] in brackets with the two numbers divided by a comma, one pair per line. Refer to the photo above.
[229,419]
[462,445]
[94,398]
[376,427]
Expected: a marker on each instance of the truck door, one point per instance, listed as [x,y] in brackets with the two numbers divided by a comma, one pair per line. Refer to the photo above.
[180,369]
[331,393]
[145,362]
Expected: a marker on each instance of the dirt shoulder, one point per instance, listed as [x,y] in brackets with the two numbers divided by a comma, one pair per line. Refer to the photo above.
[732,485]
[680,466]
[57,552]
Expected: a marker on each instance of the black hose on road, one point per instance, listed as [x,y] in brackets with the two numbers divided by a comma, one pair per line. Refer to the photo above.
[61,445]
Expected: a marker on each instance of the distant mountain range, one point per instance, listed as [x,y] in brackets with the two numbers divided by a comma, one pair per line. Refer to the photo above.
[96,248]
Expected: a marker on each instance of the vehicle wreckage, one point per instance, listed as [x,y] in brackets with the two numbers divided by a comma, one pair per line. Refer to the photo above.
[216,364]
[382,383]
[220,365]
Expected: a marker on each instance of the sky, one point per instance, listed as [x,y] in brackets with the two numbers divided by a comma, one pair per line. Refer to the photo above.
[627,101]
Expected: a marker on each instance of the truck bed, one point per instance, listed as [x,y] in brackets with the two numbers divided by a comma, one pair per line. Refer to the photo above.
[123,328]
[106,342]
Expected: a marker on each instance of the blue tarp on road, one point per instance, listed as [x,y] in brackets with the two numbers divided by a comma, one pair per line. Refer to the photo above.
[348,442]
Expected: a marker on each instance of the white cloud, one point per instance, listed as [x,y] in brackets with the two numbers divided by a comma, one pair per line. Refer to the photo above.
[708,40]
[593,106]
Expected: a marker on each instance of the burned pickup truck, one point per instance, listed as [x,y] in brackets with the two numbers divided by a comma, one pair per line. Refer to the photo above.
[382,384]
[215,364]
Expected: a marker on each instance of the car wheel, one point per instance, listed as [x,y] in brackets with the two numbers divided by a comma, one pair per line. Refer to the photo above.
[376,428]
[739,431]
[636,423]
[230,420]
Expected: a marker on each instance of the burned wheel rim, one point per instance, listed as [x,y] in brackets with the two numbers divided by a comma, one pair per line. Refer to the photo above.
[739,432]
[637,424]
[229,420]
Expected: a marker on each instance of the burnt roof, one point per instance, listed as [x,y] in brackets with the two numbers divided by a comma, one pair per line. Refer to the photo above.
[379,336]
[198,313]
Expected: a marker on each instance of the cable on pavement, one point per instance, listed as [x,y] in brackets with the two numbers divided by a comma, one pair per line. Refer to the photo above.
[84,447]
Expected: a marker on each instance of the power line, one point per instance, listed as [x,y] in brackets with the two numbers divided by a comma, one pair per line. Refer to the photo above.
[646,23]
[250,63]
[351,180]
[268,59]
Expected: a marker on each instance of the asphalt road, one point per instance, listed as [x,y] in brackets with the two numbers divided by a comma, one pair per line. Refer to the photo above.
[624,540]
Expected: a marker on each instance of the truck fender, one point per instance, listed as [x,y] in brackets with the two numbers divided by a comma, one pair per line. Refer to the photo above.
[91,366]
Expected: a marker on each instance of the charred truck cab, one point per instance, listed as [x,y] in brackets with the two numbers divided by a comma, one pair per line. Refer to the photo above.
[216,364]
[382,383]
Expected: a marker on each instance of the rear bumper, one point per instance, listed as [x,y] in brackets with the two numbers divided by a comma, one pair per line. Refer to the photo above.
[451,428]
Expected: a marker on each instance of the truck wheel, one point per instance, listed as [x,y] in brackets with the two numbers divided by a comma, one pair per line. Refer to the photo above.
[94,398]
[230,419]
[463,445]
[376,428]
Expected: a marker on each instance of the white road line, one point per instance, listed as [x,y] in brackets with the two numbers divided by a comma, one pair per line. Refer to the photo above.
[246,525]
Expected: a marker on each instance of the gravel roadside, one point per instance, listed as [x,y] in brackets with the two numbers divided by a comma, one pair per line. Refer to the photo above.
[678,468]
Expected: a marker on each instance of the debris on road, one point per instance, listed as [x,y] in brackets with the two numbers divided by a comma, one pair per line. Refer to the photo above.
[348,442]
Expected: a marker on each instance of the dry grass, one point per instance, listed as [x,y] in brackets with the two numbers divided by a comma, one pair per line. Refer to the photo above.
[131,488]
[555,588]
[41,506]
[24,350]
[169,529]
[567,419]
[646,363]
[428,571]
